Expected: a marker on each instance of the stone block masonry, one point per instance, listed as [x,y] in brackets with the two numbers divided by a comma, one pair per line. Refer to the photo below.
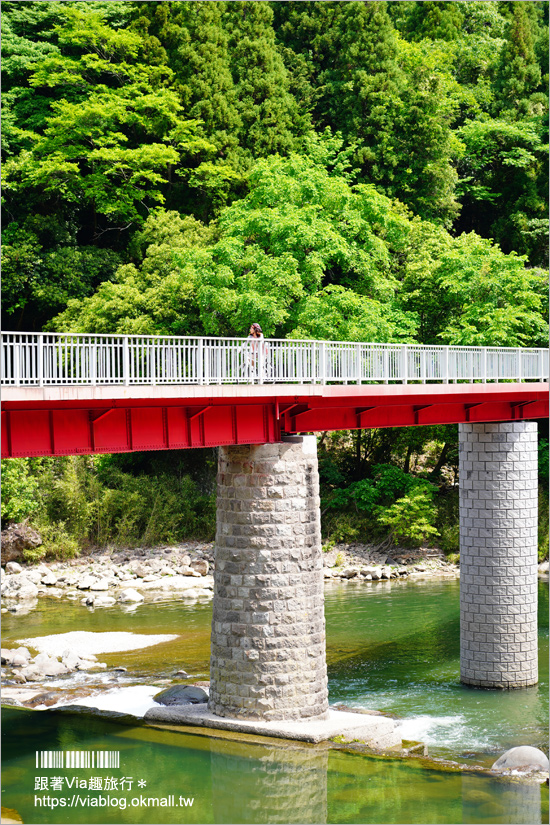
[498,554]
[268,628]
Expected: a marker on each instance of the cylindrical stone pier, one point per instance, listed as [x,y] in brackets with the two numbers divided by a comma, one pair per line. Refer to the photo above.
[498,554]
[268,626]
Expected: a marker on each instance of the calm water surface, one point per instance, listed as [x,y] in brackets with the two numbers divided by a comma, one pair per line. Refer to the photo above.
[391,647]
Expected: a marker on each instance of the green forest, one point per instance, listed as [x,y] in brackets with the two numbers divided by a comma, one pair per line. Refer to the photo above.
[359,171]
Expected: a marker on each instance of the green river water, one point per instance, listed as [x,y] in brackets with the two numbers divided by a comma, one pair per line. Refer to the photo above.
[392,647]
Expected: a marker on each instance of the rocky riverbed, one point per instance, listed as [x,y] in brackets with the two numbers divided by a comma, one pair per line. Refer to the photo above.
[105,578]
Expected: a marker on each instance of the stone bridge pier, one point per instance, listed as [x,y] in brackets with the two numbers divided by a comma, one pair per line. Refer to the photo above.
[498,554]
[268,627]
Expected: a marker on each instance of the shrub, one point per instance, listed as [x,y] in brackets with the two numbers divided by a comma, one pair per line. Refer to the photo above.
[411,517]
[19,490]
[57,543]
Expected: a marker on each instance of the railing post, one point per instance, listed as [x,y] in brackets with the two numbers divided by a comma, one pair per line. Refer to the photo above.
[541,364]
[205,351]
[358,363]
[323,362]
[200,361]
[17,364]
[40,360]
[405,364]
[93,363]
[445,375]
[386,365]
[519,364]
[423,365]
[261,360]
[126,360]
[484,376]
[153,351]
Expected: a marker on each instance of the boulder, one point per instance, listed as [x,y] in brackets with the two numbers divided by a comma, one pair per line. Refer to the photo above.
[100,584]
[104,601]
[18,587]
[13,567]
[6,655]
[200,565]
[141,570]
[49,578]
[349,572]
[71,660]
[181,695]
[385,573]
[32,673]
[129,595]
[523,759]
[86,582]
[192,593]
[15,539]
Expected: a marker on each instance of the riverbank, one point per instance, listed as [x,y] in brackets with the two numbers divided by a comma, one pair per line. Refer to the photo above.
[101,579]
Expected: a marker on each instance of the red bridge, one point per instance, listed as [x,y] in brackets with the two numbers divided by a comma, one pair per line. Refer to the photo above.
[69,394]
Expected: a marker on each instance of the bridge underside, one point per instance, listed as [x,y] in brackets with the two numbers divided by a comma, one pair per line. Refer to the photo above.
[79,420]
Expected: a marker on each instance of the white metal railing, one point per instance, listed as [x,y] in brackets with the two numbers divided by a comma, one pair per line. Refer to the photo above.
[46,359]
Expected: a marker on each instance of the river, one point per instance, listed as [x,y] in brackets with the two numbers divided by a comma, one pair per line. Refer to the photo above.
[392,647]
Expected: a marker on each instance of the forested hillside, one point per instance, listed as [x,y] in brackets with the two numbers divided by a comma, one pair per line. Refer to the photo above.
[346,170]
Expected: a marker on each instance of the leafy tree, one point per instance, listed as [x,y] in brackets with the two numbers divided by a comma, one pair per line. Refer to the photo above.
[504,170]
[411,517]
[154,293]
[467,292]
[111,143]
[268,112]
[435,20]
[518,75]
[384,98]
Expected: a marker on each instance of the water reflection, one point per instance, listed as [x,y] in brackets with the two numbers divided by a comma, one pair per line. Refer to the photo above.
[514,802]
[272,785]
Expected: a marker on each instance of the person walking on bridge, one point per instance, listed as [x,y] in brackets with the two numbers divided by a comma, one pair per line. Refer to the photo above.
[256,352]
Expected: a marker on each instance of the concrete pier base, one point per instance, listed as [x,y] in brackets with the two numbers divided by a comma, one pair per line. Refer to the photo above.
[376,731]
[498,554]
[268,626]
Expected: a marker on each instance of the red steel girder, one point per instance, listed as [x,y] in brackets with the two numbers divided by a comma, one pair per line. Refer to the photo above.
[64,421]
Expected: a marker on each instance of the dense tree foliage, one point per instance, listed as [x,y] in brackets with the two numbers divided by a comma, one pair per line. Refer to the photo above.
[114,108]
[348,170]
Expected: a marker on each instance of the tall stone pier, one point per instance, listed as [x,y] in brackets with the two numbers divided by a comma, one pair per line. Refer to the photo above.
[498,554]
[268,627]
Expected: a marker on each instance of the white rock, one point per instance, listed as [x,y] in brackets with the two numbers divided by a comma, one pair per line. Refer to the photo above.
[192,593]
[177,583]
[129,595]
[18,587]
[523,758]
[104,601]
[13,567]
[49,578]
[86,582]
[101,584]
